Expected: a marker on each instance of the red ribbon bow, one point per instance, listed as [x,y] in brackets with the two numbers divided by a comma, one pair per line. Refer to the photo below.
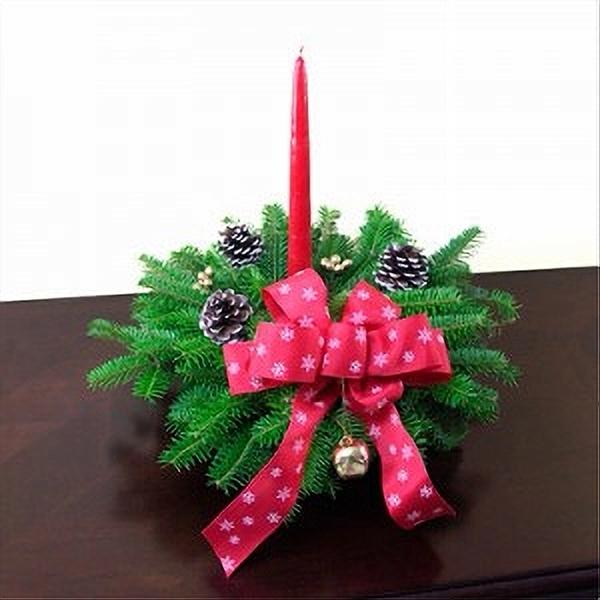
[376,353]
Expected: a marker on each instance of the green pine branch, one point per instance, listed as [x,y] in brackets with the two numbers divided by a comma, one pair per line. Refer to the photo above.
[234,464]
[324,231]
[171,281]
[103,329]
[449,428]
[457,249]
[187,406]
[502,303]
[165,350]
[198,359]
[188,259]
[454,274]
[116,371]
[152,384]
[473,400]
[273,262]
[379,231]
[157,344]
[418,423]
[462,329]
[268,430]
[149,307]
[208,426]
[485,361]
[327,242]
[430,423]
[319,477]
[180,321]
[432,301]
[318,470]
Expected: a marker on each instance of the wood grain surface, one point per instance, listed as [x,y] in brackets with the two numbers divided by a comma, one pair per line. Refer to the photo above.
[86,512]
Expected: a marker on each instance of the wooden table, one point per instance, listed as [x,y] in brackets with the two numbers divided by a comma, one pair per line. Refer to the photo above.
[86,512]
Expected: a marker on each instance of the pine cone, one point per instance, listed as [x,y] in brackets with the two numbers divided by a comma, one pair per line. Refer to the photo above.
[224,316]
[402,268]
[240,245]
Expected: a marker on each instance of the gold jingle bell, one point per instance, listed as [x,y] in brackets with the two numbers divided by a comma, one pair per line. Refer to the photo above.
[351,458]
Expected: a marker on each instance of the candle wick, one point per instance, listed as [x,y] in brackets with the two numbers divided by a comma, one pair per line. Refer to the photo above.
[300,51]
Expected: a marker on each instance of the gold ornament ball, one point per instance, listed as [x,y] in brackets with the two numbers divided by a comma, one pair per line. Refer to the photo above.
[351,458]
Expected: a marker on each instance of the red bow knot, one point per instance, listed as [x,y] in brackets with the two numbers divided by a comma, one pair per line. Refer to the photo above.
[372,352]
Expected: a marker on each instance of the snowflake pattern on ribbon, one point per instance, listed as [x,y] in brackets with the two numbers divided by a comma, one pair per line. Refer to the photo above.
[376,352]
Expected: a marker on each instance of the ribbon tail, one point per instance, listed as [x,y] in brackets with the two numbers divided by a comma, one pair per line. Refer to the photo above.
[409,494]
[265,502]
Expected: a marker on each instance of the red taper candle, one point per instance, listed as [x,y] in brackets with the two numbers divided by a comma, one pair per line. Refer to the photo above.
[299,234]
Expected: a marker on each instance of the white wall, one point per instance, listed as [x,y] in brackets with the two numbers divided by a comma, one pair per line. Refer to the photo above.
[132,127]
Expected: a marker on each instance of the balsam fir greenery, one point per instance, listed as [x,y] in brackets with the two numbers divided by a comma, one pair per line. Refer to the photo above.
[167,357]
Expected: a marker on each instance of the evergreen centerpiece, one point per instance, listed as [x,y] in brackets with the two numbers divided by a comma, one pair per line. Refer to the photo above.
[198,300]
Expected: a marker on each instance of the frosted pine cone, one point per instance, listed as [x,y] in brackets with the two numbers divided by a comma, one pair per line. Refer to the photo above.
[240,245]
[224,316]
[402,268]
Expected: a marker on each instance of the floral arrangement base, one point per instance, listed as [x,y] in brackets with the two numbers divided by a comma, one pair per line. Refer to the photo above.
[287,386]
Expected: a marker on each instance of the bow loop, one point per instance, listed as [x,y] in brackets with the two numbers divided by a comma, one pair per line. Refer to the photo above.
[241,379]
[287,353]
[366,358]
[345,351]
[301,299]
[368,396]
[410,348]
[302,343]
[368,307]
